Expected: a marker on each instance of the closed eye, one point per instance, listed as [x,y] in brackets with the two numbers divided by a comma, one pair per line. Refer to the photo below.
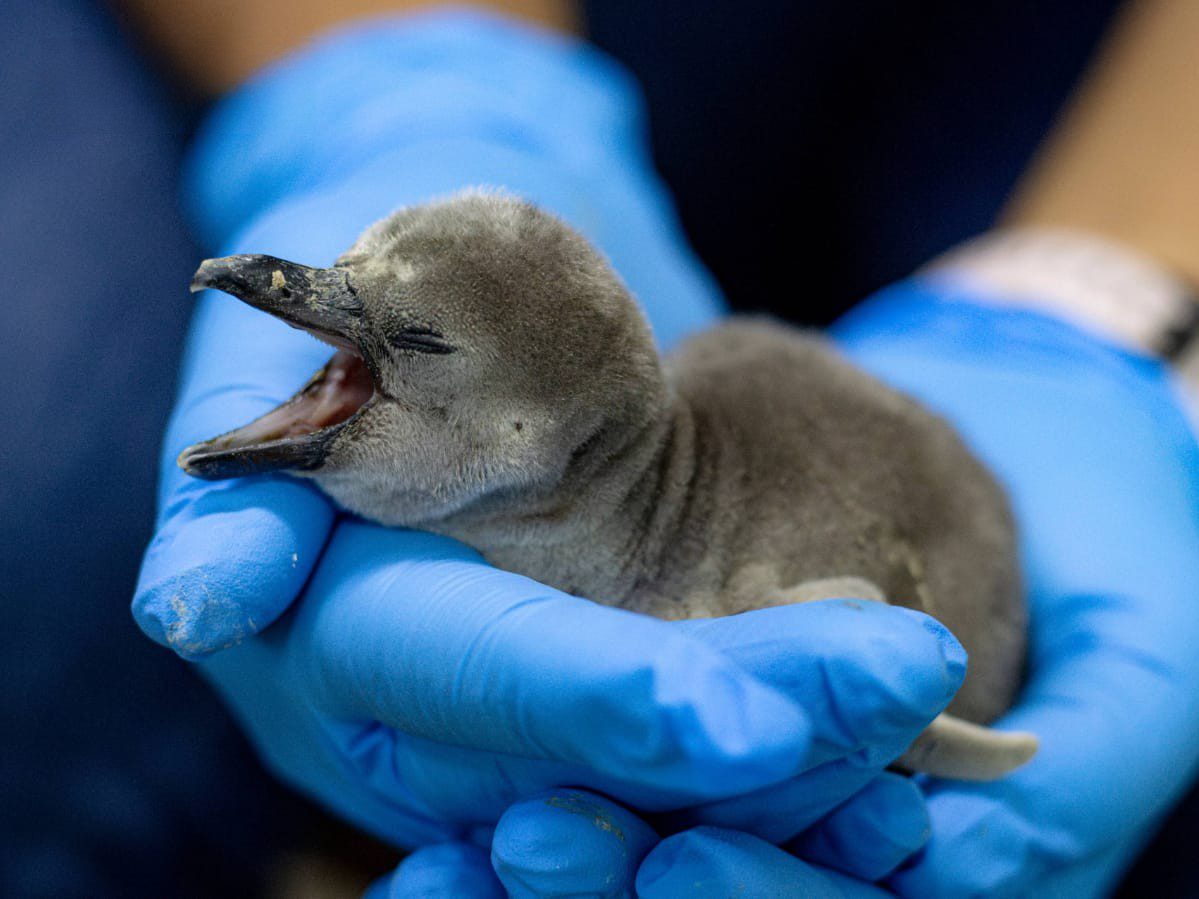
[422,340]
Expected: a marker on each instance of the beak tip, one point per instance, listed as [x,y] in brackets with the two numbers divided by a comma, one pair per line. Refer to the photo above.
[184,460]
[192,461]
[210,274]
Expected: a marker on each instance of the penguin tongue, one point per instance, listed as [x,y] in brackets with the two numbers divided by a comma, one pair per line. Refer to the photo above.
[295,435]
[335,393]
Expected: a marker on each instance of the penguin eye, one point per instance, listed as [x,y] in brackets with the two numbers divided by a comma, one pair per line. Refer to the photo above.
[421,340]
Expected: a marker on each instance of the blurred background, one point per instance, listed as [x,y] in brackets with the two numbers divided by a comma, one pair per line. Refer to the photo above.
[844,143]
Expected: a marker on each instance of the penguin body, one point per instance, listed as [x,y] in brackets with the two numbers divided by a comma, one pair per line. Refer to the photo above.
[496,383]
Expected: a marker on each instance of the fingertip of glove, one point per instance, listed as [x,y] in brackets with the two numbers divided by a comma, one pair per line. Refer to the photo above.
[569,843]
[899,669]
[227,564]
[935,659]
[443,869]
[170,615]
[903,815]
[952,652]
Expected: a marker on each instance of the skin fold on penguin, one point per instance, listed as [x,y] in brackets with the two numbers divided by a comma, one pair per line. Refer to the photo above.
[495,382]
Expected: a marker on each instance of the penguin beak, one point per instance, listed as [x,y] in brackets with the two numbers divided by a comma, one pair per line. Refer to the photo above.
[297,435]
[320,301]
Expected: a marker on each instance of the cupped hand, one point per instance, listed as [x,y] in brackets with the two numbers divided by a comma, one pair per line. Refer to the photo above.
[419,692]
[1103,469]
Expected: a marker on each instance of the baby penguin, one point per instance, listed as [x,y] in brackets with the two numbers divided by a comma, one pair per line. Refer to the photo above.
[495,382]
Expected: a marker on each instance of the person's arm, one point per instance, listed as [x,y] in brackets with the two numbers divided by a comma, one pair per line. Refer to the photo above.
[218,44]
[1122,161]
[1103,229]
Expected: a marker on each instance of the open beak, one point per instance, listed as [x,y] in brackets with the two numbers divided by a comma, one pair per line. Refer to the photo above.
[297,435]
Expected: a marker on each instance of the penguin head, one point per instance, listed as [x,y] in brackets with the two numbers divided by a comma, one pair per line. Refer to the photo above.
[483,346]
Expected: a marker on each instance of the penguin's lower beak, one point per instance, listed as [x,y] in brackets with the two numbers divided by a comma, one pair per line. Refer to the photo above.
[297,435]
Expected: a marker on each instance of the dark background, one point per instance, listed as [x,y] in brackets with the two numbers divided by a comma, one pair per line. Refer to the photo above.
[817,150]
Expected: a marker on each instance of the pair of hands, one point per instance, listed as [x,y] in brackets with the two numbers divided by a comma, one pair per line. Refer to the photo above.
[440,702]
[421,693]
[435,700]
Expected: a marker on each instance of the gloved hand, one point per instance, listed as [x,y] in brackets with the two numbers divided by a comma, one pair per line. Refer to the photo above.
[1103,471]
[419,692]
[415,689]
[577,843]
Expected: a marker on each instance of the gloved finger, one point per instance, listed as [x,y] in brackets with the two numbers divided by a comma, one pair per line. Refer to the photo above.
[870,676]
[574,843]
[440,871]
[419,633]
[782,811]
[227,560]
[569,843]
[459,782]
[717,863]
[873,833]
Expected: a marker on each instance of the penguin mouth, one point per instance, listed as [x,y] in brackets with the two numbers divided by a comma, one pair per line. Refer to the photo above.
[295,436]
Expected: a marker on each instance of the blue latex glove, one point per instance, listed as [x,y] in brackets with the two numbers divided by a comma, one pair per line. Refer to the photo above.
[571,843]
[417,690]
[1103,470]
[420,692]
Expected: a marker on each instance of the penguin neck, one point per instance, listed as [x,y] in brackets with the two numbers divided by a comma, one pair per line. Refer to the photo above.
[604,530]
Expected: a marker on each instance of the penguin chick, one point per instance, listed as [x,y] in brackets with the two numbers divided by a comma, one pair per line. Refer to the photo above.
[495,382]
